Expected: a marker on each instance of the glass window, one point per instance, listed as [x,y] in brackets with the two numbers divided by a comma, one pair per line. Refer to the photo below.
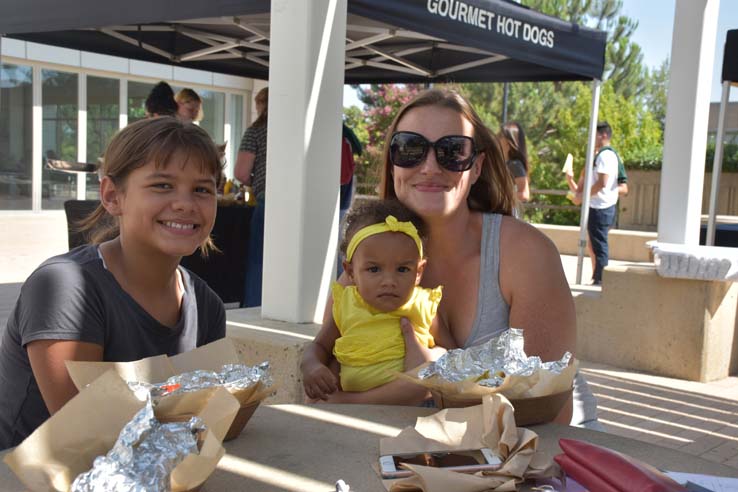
[59,136]
[102,123]
[213,107]
[137,94]
[16,136]
[236,128]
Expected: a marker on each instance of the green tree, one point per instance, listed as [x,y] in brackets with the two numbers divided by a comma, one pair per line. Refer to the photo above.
[655,93]
[623,58]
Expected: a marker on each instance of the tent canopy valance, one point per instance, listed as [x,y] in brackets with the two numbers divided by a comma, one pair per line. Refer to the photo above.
[386,40]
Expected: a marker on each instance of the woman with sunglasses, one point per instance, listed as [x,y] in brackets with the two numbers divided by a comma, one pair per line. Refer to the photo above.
[445,165]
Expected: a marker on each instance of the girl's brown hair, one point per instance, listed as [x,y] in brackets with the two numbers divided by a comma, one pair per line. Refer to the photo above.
[372,211]
[493,191]
[150,140]
[262,97]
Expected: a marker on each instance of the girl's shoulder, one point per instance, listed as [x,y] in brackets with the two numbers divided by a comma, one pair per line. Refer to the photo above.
[80,260]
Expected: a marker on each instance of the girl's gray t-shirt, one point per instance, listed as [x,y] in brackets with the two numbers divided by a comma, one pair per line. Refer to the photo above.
[74,297]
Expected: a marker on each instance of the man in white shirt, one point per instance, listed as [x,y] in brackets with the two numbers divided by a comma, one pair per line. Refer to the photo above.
[604,198]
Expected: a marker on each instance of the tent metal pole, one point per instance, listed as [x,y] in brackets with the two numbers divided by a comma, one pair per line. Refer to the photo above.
[505,91]
[588,166]
[717,166]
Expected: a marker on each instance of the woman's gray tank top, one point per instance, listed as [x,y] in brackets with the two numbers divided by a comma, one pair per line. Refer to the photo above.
[493,313]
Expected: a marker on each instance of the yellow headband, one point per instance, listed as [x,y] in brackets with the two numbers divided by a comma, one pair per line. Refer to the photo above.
[390,224]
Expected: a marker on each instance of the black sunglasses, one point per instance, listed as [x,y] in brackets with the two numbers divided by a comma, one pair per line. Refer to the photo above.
[453,152]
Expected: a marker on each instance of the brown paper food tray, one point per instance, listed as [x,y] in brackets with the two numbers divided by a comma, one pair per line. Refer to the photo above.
[89,424]
[528,411]
[239,422]
[158,368]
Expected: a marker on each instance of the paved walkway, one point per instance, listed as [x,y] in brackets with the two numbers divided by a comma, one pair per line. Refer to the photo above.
[696,418]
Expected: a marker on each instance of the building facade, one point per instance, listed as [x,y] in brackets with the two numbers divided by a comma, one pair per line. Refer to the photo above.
[57,103]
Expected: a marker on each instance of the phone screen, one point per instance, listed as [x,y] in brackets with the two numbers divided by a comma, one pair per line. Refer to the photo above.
[462,461]
[442,460]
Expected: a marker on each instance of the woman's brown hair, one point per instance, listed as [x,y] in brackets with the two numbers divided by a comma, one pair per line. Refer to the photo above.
[493,191]
[150,140]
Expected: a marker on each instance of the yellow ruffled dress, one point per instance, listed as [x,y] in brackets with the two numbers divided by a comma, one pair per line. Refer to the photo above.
[371,348]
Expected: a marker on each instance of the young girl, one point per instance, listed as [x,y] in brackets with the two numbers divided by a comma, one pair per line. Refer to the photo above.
[383,245]
[124,297]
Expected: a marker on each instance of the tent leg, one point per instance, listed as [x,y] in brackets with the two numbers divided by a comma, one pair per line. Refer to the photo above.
[717,166]
[588,177]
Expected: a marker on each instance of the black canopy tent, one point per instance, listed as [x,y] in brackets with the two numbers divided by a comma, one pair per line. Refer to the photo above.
[386,41]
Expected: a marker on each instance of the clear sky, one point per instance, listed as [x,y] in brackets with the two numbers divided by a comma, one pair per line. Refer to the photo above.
[655,24]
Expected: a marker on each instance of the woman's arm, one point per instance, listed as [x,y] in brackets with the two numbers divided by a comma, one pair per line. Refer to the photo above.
[47,362]
[244,166]
[533,284]
[523,188]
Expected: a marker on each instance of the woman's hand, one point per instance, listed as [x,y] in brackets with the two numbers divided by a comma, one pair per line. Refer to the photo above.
[415,353]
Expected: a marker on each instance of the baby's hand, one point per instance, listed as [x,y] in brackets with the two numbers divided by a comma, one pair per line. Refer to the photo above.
[319,382]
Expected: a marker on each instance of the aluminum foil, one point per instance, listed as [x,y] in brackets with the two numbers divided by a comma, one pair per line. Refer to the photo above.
[490,362]
[143,457]
[233,377]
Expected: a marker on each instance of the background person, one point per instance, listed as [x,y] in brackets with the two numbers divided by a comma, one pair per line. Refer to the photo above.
[189,106]
[124,297]
[608,184]
[251,171]
[512,140]
[160,101]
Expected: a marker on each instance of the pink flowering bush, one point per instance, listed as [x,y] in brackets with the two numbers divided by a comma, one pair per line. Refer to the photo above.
[381,105]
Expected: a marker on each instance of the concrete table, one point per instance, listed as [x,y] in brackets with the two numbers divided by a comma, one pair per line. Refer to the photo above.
[301,448]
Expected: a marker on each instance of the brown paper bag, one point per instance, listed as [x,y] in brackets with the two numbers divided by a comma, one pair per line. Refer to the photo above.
[537,398]
[157,369]
[88,425]
[489,425]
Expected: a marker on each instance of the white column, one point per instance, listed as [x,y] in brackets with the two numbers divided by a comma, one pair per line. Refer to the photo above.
[37,154]
[123,104]
[687,108]
[303,156]
[81,132]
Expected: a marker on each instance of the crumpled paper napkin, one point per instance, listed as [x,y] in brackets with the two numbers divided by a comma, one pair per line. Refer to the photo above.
[489,425]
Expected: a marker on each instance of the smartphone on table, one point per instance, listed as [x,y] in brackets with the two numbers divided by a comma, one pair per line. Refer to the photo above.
[467,461]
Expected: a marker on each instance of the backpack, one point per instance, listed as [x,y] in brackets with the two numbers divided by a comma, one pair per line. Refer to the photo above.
[622,175]
[347,161]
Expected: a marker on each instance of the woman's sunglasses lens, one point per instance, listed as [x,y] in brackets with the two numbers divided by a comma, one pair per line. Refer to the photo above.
[455,153]
[408,150]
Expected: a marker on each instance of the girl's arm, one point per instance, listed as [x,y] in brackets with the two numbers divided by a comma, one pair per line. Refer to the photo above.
[47,362]
[533,284]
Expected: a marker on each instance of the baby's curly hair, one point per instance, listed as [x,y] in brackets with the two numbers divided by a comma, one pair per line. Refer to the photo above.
[371,212]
